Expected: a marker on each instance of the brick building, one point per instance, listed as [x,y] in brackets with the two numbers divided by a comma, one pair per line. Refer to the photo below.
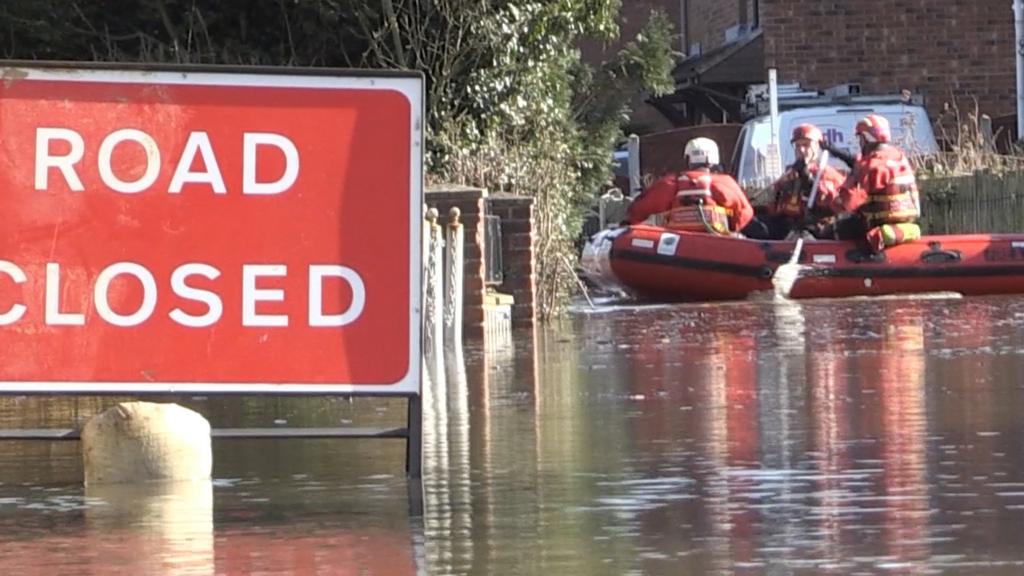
[938,48]
[633,16]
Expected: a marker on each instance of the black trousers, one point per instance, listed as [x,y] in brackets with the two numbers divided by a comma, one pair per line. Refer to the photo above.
[851,227]
[767,227]
[778,227]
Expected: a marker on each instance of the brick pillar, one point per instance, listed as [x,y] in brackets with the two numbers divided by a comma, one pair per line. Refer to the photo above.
[517,254]
[470,201]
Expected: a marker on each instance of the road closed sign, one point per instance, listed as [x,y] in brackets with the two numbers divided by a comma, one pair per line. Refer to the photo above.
[206,230]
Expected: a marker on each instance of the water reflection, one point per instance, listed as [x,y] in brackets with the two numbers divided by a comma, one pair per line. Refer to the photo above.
[815,428]
[902,395]
[841,437]
[830,441]
[867,405]
[446,461]
[302,528]
[163,527]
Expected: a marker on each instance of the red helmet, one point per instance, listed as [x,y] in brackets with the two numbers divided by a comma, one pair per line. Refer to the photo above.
[807,132]
[874,128]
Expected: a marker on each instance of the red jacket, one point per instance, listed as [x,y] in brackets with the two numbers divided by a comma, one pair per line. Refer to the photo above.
[661,196]
[881,187]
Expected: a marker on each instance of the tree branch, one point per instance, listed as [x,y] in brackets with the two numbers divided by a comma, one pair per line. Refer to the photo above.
[396,36]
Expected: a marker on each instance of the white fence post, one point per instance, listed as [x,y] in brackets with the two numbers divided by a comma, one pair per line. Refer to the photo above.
[434,288]
[453,282]
[425,288]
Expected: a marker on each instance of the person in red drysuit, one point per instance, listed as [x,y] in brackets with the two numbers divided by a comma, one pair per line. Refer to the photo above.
[792,190]
[880,196]
[698,199]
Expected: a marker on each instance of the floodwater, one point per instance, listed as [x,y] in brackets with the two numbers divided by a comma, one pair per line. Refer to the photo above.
[874,436]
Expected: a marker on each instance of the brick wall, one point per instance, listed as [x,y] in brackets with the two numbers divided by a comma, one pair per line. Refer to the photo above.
[518,240]
[471,202]
[927,46]
[709,19]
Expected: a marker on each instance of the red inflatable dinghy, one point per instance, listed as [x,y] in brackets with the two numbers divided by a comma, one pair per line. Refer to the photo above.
[668,265]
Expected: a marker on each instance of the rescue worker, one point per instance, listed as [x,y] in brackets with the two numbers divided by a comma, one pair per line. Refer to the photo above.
[699,199]
[793,189]
[880,196]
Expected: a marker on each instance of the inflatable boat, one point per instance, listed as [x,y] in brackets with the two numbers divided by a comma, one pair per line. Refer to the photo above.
[656,263]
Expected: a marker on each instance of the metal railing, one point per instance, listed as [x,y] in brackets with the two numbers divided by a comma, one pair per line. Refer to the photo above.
[494,271]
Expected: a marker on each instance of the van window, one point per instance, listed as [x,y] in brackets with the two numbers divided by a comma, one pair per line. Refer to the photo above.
[753,170]
[620,163]
[737,152]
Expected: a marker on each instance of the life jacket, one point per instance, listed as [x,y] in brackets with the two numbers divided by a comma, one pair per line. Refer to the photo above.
[788,197]
[694,208]
[792,194]
[897,202]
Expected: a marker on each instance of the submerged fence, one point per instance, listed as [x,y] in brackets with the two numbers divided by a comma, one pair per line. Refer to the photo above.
[442,290]
[979,202]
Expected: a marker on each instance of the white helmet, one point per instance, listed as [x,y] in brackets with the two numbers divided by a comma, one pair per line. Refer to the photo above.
[701,151]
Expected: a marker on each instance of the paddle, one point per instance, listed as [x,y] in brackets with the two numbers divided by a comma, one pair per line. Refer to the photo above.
[786,274]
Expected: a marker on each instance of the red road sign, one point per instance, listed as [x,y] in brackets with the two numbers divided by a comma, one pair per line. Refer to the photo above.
[209,231]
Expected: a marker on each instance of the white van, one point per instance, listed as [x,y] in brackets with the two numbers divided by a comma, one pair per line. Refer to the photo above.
[911,129]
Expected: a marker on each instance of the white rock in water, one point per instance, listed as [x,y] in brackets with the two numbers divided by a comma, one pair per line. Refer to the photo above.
[142,441]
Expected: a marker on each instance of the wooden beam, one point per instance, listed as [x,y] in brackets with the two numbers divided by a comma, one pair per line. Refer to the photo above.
[669,111]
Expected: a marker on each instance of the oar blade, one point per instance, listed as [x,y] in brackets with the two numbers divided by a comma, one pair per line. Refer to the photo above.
[785,275]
